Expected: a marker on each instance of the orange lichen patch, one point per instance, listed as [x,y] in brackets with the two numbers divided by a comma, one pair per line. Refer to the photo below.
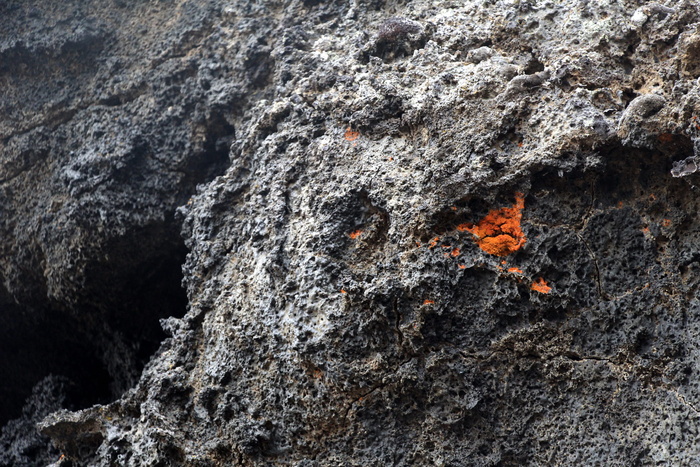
[343,291]
[620,204]
[540,285]
[355,234]
[499,233]
[455,253]
[519,271]
[666,222]
[433,243]
[446,246]
[666,137]
[428,302]
[646,230]
[454,208]
[462,266]
[351,135]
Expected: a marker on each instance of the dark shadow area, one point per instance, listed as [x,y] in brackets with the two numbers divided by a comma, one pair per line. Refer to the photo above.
[102,345]
[36,343]
[128,295]
[102,342]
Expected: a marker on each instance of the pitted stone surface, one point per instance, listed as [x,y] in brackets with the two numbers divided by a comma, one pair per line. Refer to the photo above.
[337,314]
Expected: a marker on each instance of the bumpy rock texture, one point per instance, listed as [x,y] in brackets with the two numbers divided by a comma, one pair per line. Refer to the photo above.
[327,174]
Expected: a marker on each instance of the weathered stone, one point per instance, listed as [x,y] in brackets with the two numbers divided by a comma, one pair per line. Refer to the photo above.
[318,158]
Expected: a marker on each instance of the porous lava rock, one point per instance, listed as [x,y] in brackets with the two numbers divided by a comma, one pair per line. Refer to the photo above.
[309,164]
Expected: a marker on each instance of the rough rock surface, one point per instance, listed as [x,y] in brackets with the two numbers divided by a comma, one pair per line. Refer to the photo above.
[20,443]
[336,171]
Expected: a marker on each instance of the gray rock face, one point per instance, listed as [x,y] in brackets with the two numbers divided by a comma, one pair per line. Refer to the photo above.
[423,233]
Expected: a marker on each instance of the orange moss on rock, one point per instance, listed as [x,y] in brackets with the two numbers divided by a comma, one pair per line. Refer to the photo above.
[499,232]
[540,285]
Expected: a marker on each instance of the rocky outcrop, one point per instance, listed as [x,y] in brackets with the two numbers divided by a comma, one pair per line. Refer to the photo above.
[410,234]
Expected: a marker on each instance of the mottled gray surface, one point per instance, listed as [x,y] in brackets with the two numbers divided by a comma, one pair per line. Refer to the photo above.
[336,314]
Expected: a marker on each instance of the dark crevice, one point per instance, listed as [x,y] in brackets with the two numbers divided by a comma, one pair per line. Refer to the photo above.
[214,158]
[598,281]
[102,343]
[397,323]
[35,343]
[102,340]
[129,295]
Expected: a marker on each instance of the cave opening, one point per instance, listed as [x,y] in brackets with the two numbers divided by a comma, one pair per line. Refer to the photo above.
[101,342]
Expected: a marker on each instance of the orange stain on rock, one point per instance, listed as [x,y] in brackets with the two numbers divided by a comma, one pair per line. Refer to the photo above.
[428,302]
[455,253]
[351,135]
[462,266]
[499,233]
[355,234]
[433,243]
[540,285]
[519,271]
